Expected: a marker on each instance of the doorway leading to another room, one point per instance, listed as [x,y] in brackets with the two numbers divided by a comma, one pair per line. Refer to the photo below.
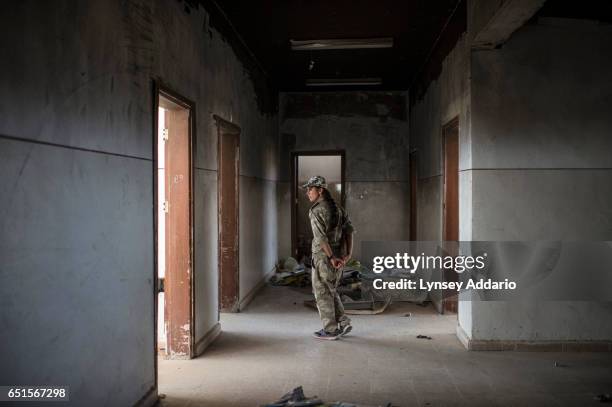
[228,155]
[330,165]
[174,129]
[450,232]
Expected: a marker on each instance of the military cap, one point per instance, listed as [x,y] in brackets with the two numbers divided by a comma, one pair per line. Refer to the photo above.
[316,181]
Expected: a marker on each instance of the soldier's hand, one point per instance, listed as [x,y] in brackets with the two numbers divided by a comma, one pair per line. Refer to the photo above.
[336,262]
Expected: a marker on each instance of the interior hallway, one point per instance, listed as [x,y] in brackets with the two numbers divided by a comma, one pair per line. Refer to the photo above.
[267,350]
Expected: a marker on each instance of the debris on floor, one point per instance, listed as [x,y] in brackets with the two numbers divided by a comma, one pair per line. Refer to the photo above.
[423,337]
[355,286]
[358,307]
[368,279]
[290,273]
[288,264]
[296,398]
[292,278]
[604,398]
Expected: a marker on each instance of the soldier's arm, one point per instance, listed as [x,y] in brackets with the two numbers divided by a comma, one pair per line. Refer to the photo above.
[318,230]
[348,230]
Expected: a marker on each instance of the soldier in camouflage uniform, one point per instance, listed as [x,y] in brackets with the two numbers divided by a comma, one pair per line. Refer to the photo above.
[332,247]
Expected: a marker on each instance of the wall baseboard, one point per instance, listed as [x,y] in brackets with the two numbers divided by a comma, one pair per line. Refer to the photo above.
[208,338]
[249,297]
[149,399]
[532,346]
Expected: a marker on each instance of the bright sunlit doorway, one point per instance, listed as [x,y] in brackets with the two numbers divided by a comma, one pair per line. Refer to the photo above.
[330,165]
[174,225]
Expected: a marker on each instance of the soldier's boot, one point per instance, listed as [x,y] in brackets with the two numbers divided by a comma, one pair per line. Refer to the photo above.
[344,327]
[327,336]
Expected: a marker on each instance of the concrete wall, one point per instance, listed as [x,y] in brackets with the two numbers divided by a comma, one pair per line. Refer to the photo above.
[446,97]
[76,242]
[373,130]
[541,162]
[534,163]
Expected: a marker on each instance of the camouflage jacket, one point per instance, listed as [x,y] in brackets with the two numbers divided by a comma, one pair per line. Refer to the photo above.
[320,220]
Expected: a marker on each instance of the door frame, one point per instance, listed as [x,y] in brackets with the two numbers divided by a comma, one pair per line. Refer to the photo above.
[449,303]
[227,127]
[295,186]
[160,88]
[451,124]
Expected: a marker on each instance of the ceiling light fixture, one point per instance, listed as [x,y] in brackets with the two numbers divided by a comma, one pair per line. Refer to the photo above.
[344,82]
[355,43]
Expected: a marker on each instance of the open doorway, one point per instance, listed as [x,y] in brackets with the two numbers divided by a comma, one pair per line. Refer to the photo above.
[330,165]
[174,224]
[450,136]
[228,202]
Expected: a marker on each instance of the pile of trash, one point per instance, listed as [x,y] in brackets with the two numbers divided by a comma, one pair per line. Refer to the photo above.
[296,398]
[356,286]
[291,273]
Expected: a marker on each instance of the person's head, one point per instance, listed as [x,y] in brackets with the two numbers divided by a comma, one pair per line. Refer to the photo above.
[314,193]
[315,187]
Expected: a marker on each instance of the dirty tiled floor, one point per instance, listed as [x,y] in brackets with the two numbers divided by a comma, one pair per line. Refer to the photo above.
[267,350]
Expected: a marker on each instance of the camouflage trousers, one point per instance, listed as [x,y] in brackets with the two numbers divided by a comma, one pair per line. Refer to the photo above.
[325,279]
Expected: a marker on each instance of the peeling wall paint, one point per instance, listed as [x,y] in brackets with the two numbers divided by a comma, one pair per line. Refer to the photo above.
[372,129]
[541,164]
[531,128]
[76,145]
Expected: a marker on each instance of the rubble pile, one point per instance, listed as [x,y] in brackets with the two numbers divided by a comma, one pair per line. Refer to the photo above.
[296,398]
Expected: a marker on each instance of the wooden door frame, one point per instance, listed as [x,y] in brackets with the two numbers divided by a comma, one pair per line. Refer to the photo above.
[295,186]
[449,304]
[453,123]
[227,127]
[159,88]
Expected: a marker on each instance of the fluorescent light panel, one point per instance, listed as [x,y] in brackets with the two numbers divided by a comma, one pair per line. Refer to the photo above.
[344,82]
[355,43]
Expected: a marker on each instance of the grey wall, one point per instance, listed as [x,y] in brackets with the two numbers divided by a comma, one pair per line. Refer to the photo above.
[447,97]
[534,159]
[76,242]
[373,130]
[542,167]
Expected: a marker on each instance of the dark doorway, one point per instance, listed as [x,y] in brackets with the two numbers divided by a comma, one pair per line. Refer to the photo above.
[329,164]
[450,136]
[174,224]
[228,201]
